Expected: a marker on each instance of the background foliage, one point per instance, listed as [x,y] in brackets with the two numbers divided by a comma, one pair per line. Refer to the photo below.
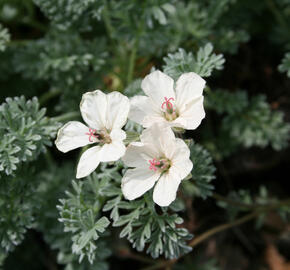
[52,51]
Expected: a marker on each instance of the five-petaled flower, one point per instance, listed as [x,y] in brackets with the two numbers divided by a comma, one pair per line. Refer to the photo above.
[159,157]
[105,115]
[182,107]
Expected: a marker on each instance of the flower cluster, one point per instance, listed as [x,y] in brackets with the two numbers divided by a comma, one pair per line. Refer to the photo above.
[159,159]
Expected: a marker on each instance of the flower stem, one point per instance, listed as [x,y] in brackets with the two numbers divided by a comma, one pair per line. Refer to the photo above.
[48,95]
[161,264]
[279,17]
[132,61]
[222,227]
[107,20]
[66,116]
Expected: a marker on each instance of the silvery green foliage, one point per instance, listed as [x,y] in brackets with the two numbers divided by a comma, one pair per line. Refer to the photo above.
[248,121]
[80,215]
[63,61]
[243,201]
[203,172]
[52,186]
[141,223]
[17,206]
[223,101]
[4,38]
[65,13]
[134,88]
[285,65]
[25,132]
[203,63]
[60,58]
[258,125]
[144,227]
[198,22]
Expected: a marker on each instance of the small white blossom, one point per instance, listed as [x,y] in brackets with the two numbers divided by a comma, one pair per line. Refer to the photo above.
[182,107]
[159,157]
[105,115]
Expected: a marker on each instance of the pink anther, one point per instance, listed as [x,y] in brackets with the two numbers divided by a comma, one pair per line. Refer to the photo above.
[168,104]
[153,163]
[92,133]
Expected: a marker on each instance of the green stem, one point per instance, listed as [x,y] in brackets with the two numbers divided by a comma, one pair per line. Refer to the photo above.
[204,236]
[48,95]
[222,227]
[132,61]
[250,206]
[66,116]
[279,17]
[107,20]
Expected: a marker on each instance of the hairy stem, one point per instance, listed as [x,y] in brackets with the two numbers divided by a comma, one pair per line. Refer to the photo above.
[66,116]
[132,61]
[48,95]
[279,17]
[107,20]
[221,228]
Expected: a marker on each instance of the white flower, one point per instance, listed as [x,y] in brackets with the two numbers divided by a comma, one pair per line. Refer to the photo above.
[105,115]
[159,157]
[182,107]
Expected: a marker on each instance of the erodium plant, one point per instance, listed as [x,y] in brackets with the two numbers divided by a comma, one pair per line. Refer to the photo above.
[132,91]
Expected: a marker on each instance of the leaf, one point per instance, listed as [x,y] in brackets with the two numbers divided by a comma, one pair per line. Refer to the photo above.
[203,63]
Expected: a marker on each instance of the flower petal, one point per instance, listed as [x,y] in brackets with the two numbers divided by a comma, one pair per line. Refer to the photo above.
[161,137]
[193,113]
[118,134]
[136,182]
[93,108]
[88,162]
[112,151]
[157,85]
[165,190]
[181,164]
[71,136]
[138,155]
[189,86]
[118,107]
[140,108]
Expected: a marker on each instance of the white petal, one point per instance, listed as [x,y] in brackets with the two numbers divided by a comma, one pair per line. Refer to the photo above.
[137,181]
[161,137]
[149,120]
[165,190]
[89,161]
[140,108]
[118,134]
[193,113]
[71,136]
[118,107]
[93,108]
[189,86]
[157,85]
[138,155]
[181,164]
[112,151]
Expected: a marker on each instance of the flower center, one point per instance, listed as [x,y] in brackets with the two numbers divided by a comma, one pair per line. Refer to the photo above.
[101,137]
[168,109]
[161,164]
[92,134]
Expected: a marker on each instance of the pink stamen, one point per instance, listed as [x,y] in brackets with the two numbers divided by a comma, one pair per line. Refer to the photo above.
[153,163]
[91,134]
[168,104]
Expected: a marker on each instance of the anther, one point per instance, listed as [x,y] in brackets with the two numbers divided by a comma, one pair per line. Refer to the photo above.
[92,133]
[168,104]
[153,164]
